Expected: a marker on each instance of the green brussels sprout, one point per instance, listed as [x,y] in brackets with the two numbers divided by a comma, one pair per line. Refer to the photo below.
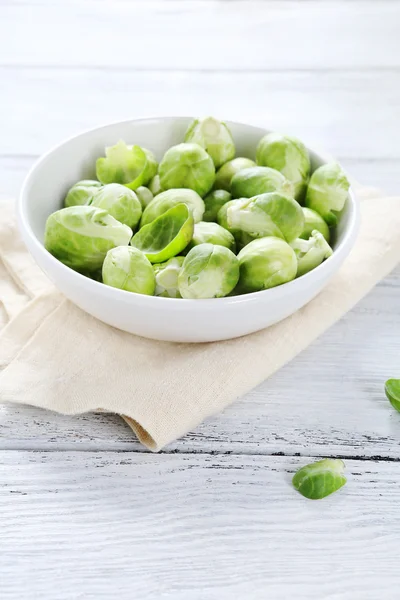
[392,391]
[214,136]
[82,192]
[327,192]
[213,202]
[289,156]
[319,479]
[266,263]
[127,268]
[311,253]
[120,202]
[259,180]
[132,166]
[170,198]
[312,220]
[81,236]
[208,271]
[145,196]
[187,166]
[212,233]
[242,238]
[167,277]
[224,175]
[167,235]
[266,214]
[155,185]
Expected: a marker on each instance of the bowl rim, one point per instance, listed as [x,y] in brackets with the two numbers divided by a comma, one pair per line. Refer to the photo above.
[326,267]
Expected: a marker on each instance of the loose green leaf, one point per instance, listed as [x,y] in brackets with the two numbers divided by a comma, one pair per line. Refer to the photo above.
[167,235]
[132,166]
[392,390]
[319,479]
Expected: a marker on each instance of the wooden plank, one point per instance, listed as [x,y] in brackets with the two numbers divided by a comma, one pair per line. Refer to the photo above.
[330,399]
[332,110]
[106,525]
[256,35]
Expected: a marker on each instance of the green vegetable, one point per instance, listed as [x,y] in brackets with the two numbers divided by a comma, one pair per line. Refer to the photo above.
[155,185]
[241,237]
[120,202]
[249,207]
[312,220]
[266,263]
[212,233]
[215,137]
[289,156]
[259,180]
[392,390]
[127,268]
[264,215]
[81,236]
[132,166]
[208,271]
[319,479]
[213,202]
[311,253]
[167,235]
[82,192]
[327,192]
[224,175]
[187,166]
[170,198]
[145,196]
[167,277]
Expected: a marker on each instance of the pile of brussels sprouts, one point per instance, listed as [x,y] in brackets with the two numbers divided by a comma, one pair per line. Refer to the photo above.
[202,223]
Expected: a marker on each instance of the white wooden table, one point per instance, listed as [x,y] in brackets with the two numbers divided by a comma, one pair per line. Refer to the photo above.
[85,512]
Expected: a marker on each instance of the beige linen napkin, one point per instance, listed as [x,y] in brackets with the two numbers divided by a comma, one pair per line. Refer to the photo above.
[55,356]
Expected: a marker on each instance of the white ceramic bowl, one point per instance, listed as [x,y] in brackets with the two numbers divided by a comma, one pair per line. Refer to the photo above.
[161,318]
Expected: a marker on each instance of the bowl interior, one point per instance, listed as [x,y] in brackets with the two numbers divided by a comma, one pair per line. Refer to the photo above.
[75,159]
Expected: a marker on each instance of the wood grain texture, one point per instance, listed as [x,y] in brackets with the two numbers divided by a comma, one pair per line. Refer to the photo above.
[351,115]
[202,35]
[106,525]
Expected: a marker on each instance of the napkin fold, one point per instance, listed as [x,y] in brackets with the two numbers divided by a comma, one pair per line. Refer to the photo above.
[55,356]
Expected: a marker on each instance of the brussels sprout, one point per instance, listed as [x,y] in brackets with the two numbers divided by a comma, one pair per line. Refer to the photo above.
[120,202]
[127,268]
[81,236]
[242,238]
[167,277]
[82,192]
[212,233]
[266,214]
[145,196]
[167,235]
[170,198]
[225,174]
[187,166]
[213,202]
[266,263]
[319,479]
[259,180]
[312,220]
[155,185]
[327,191]
[392,390]
[310,253]
[214,136]
[132,166]
[289,156]
[208,271]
